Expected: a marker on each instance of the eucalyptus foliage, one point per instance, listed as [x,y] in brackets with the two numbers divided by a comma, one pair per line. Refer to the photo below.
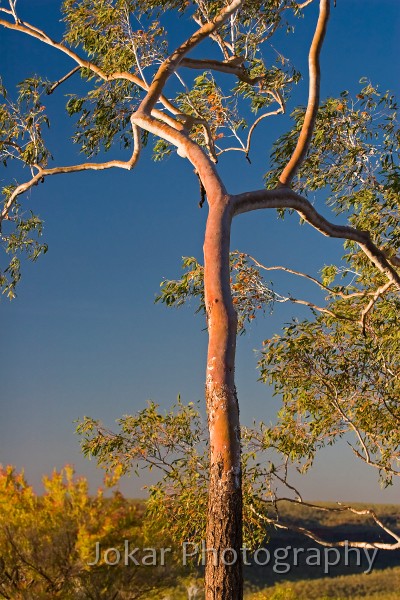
[337,372]
[122,41]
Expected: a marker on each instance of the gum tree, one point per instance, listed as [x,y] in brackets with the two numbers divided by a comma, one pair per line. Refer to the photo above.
[141,89]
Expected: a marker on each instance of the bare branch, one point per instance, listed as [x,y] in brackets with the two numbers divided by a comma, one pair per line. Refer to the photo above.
[338,544]
[313,97]
[304,4]
[246,149]
[271,113]
[284,197]
[6,10]
[12,4]
[233,66]
[60,81]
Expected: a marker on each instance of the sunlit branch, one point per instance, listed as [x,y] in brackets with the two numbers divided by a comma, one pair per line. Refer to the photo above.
[6,10]
[44,38]
[286,198]
[12,4]
[172,62]
[310,116]
[42,173]
[232,66]
[304,4]
[186,148]
[224,46]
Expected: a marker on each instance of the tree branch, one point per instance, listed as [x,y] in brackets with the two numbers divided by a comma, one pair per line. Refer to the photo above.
[300,274]
[40,35]
[381,290]
[230,66]
[246,149]
[373,463]
[186,148]
[60,81]
[286,198]
[313,97]
[42,173]
[224,46]
[338,544]
[172,62]
[304,4]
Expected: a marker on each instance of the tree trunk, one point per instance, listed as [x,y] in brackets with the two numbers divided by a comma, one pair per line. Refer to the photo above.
[224,579]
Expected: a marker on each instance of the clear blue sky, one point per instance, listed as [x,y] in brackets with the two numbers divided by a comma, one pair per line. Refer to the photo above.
[84,336]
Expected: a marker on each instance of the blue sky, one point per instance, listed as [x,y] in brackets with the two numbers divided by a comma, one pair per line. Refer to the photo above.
[84,337]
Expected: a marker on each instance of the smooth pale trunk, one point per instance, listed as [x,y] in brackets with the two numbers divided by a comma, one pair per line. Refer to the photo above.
[224,580]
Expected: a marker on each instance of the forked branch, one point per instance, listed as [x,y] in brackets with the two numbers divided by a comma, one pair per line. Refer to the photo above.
[40,35]
[170,65]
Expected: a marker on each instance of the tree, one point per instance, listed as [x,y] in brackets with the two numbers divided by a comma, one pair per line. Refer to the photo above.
[129,72]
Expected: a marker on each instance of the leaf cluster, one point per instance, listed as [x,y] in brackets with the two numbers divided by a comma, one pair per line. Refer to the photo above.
[337,380]
[21,124]
[104,115]
[175,444]
[104,29]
